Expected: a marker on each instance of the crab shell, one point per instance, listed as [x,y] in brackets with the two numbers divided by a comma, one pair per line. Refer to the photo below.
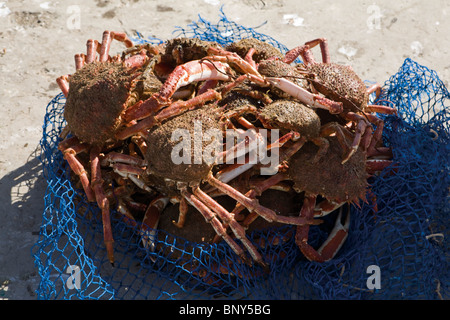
[340,83]
[290,115]
[161,170]
[181,50]
[328,177]
[263,50]
[98,94]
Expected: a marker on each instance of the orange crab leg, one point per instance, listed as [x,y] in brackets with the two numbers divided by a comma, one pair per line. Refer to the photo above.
[137,60]
[79,61]
[336,238]
[304,51]
[361,127]
[63,83]
[106,43]
[102,201]
[253,204]
[91,50]
[211,218]
[334,241]
[151,219]
[70,148]
[256,190]
[182,75]
[173,110]
[249,57]
[374,166]
[326,207]
[232,57]
[228,220]
[113,157]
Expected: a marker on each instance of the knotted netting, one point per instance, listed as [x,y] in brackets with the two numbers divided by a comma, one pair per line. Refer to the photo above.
[405,240]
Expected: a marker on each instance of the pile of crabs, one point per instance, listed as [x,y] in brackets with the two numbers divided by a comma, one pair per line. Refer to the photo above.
[122,112]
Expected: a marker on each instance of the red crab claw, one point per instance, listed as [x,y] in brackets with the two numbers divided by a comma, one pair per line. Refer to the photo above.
[336,238]
[182,75]
[150,221]
[334,241]
[285,85]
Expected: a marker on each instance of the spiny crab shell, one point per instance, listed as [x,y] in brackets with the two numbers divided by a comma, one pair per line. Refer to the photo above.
[328,177]
[181,50]
[290,115]
[263,50]
[96,87]
[161,165]
[340,83]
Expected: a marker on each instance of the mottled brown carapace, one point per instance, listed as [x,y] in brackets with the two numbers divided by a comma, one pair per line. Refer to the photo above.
[98,94]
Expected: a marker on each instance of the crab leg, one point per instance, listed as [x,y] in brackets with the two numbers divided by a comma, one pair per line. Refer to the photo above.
[114,157]
[137,60]
[171,111]
[251,140]
[126,214]
[182,75]
[311,99]
[336,238]
[326,207]
[182,213]
[132,173]
[102,202]
[381,109]
[91,50]
[363,135]
[106,43]
[249,57]
[334,241]
[211,218]
[63,83]
[304,51]
[151,219]
[260,187]
[374,166]
[227,57]
[79,61]
[375,88]
[70,148]
[234,170]
[281,83]
[361,127]
[253,204]
[228,220]
[256,190]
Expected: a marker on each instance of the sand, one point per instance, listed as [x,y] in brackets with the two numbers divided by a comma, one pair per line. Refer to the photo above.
[38,40]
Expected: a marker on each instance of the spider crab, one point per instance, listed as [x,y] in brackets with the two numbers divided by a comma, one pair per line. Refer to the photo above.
[99,94]
[312,161]
[187,182]
[327,184]
[340,83]
[336,88]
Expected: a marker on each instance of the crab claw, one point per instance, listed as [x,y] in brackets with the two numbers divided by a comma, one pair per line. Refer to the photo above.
[305,96]
[336,238]
[334,241]
[150,221]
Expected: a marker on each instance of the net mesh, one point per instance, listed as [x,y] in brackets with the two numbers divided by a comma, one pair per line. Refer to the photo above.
[405,242]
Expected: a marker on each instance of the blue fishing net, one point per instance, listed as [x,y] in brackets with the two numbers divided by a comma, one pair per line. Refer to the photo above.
[399,251]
